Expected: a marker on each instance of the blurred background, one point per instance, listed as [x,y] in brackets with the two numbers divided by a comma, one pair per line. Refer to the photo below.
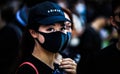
[92,30]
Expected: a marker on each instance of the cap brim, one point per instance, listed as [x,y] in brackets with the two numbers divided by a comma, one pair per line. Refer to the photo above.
[52,19]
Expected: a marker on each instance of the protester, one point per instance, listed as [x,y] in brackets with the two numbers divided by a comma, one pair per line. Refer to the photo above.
[45,36]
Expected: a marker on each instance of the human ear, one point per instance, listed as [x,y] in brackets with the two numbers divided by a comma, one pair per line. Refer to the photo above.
[33,33]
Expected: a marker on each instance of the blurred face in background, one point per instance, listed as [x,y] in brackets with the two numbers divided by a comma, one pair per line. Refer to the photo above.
[67,23]
[115,19]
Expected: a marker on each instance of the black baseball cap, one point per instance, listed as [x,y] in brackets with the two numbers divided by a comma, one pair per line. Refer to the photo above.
[46,13]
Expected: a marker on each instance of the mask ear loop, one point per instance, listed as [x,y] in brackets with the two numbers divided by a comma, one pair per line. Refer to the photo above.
[37,39]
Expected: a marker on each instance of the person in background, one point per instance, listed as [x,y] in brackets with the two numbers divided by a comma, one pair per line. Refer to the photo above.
[78,9]
[107,60]
[10,36]
[90,40]
[45,36]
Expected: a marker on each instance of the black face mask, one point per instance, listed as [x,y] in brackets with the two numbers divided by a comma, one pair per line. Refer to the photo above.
[54,42]
[67,41]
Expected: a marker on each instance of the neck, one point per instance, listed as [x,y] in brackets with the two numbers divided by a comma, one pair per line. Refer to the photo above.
[44,56]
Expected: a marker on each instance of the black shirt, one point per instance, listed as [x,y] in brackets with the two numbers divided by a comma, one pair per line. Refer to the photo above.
[41,67]
[107,61]
[9,42]
[90,41]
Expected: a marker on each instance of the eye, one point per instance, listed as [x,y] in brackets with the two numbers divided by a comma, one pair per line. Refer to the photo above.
[68,27]
[51,29]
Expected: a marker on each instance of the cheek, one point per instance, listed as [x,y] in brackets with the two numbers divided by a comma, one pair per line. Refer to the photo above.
[41,38]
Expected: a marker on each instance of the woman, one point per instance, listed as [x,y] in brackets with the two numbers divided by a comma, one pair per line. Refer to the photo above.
[45,36]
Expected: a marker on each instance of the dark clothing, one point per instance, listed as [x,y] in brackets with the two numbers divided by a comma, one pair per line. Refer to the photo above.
[41,67]
[107,61]
[9,42]
[90,43]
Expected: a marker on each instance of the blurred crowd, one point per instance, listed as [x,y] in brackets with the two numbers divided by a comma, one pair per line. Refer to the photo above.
[91,29]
